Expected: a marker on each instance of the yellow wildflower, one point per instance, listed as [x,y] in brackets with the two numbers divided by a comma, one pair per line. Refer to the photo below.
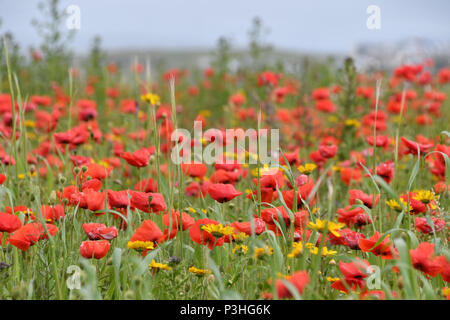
[331,279]
[424,196]
[307,168]
[260,253]
[352,122]
[218,230]
[156,266]
[141,245]
[296,250]
[199,272]
[240,249]
[151,98]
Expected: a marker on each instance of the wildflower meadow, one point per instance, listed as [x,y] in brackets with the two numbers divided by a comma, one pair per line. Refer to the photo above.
[262,182]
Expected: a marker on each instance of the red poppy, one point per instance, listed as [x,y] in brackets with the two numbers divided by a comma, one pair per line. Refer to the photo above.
[385,170]
[223,192]
[94,249]
[423,226]
[423,259]
[98,231]
[203,237]
[354,275]
[147,202]
[299,280]
[147,185]
[9,222]
[246,227]
[367,199]
[96,171]
[93,184]
[349,175]
[356,216]
[186,220]
[413,147]
[347,238]
[138,158]
[53,213]
[30,234]
[384,249]
[148,231]
[445,270]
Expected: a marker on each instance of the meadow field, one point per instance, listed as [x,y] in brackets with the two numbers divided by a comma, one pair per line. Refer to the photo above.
[109,191]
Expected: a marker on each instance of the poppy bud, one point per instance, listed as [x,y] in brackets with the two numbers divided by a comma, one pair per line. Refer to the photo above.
[77,170]
[53,197]
[84,169]
[129,295]
[62,179]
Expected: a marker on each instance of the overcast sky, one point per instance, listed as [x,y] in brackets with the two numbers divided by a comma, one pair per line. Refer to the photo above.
[313,25]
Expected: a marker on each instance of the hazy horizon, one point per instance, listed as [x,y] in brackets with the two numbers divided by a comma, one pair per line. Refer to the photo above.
[322,26]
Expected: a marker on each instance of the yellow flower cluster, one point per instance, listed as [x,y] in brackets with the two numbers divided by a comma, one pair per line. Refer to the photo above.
[218,230]
[260,253]
[307,168]
[141,245]
[156,266]
[199,272]
[320,225]
[151,98]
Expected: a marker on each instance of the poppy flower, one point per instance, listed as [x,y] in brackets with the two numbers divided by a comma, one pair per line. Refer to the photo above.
[96,171]
[384,249]
[147,185]
[271,181]
[186,220]
[299,280]
[385,170]
[246,227]
[367,199]
[9,222]
[147,202]
[423,259]
[98,231]
[354,275]
[94,249]
[348,238]
[328,151]
[445,270]
[413,147]
[351,217]
[349,175]
[148,231]
[52,213]
[93,184]
[380,141]
[30,234]
[201,236]
[423,226]
[139,158]
[195,170]
[223,192]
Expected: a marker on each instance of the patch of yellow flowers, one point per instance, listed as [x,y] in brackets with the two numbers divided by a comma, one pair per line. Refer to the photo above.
[218,230]
[141,245]
[151,98]
[320,225]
